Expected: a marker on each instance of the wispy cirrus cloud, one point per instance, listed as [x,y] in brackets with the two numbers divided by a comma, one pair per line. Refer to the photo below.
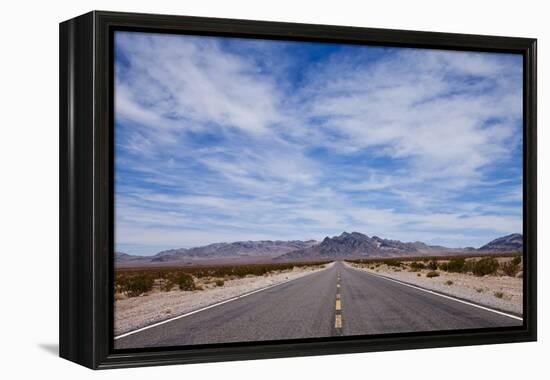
[230,139]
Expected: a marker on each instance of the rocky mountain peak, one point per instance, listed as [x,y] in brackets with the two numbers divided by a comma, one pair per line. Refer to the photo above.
[508,243]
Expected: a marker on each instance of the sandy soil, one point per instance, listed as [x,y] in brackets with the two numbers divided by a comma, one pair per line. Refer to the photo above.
[133,313]
[484,290]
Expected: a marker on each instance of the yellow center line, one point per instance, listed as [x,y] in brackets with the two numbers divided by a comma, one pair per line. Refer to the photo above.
[338,314]
[338,321]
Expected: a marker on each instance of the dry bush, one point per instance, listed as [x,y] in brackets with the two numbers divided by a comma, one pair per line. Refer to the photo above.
[186,282]
[485,266]
[392,262]
[137,285]
[415,266]
[509,268]
[432,265]
[456,265]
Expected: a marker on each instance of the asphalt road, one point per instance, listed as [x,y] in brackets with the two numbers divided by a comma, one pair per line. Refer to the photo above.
[338,300]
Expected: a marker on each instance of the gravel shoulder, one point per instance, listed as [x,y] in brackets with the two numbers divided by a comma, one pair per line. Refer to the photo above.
[137,312]
[500,292]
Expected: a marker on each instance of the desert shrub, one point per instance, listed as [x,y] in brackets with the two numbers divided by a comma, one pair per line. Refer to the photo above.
[167,285]
[499,294]
[469,266]
[444,266]
[417,266]
[456,265]
[448,282]
[432,265]
[516,260]
[432,274]
[485,266]
[219,282]
[137,285]
[418,275]
[392,262]
[509,268]
[186,282]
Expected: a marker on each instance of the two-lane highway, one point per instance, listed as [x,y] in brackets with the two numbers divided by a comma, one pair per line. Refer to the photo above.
[339,300]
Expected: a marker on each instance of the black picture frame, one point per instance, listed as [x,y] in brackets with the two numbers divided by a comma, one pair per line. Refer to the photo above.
[86,188]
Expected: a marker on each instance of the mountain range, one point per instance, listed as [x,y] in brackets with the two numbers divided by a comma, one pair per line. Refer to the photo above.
[508,243]
[260,248]
[343,246]
[356,244]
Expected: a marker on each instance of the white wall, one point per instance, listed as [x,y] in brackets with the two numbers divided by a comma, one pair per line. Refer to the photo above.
[29,191]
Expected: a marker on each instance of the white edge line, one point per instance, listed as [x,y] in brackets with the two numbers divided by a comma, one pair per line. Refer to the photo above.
[209,306]
[442,295]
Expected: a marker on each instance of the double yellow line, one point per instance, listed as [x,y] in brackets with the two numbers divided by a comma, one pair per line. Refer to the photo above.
[338,316]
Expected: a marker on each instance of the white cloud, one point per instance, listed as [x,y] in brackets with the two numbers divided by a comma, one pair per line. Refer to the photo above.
[175,82]
[409,107]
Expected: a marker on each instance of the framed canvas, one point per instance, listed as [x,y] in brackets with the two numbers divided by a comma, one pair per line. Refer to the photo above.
[235,189]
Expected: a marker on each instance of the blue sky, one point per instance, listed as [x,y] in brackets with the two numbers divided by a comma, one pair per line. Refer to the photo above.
[221,139]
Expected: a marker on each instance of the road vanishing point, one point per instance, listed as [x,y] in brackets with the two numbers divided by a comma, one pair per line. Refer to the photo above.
[336,301]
